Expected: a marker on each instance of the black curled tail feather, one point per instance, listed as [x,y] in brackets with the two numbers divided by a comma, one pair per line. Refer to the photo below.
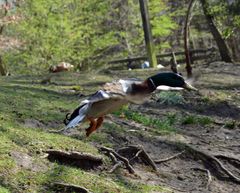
[70,116]
[67,119]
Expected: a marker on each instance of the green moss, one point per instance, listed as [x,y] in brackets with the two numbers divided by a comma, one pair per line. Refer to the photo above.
[195,119]
[160,125]
[4,190]
[24,98]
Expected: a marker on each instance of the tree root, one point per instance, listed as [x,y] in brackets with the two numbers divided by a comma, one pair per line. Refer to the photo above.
[232,160]
[208,174]
[63,187]
[114,156]
[213,161]
[82,160]
[168,158]
[138,152]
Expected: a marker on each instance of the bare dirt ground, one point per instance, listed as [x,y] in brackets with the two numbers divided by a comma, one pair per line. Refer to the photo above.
[219,99]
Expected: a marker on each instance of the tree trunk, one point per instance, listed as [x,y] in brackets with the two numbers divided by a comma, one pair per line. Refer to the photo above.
[186,38]
[222,46]
[2,69]
[148,33]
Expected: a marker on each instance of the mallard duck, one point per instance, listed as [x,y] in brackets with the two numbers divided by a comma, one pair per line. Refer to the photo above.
[118,93]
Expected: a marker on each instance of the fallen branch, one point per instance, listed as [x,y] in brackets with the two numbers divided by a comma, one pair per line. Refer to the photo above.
[208,174]
[168,158]
[118,156]
[70,187]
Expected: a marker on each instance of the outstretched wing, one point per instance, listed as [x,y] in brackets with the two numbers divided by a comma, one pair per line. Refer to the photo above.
[120,87]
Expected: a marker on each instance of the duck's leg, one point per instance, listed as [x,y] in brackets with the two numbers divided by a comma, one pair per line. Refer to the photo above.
[92,127]
[99,122]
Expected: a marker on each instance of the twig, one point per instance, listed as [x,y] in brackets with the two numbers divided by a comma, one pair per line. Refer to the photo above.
[168,158]
[71,187]
[121,158]
[208,174]
[57,131]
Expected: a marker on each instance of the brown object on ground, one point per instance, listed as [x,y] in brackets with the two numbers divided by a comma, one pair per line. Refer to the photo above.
[61,67]
[82,160]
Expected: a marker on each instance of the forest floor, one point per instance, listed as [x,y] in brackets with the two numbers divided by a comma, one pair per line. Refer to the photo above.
[194,135]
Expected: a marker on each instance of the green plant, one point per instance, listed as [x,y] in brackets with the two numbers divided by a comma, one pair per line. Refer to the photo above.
[231,124]
[194,119]
[159,124]
[170,98]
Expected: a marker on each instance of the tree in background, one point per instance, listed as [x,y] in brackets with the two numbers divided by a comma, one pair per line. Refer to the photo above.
[227,20]
[83,33]
[222,46]
[56,31]
[5,19]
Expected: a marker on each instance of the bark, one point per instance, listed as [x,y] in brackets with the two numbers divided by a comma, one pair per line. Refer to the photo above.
[148,33]
[186,38]
[222,46]
[3,71]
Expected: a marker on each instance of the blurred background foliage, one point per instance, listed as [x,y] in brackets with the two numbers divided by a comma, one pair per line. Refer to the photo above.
[87,34]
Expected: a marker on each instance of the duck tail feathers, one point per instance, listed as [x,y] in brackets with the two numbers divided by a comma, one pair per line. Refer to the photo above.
[74,122]
[76,117]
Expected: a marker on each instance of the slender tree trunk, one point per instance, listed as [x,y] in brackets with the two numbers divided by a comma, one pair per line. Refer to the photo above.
[222,46]
[2,69]
[186,38]
[148,33]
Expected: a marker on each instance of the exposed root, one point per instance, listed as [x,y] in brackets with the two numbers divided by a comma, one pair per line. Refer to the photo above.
[63,187]
[214,162]
[82,160]
[208,174]
[168,158]
[117,163]
[118,156]
[115,167]
[138,152]
[234,160]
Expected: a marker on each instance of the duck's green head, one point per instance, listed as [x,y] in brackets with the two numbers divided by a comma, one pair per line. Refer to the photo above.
[170,79]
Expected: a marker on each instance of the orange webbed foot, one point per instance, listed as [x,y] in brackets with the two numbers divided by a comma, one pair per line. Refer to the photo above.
[94,125]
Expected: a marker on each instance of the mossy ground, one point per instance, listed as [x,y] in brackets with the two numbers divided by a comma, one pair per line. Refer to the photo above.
[30,109]
[26,99]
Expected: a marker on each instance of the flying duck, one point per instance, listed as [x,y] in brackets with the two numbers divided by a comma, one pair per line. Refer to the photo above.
[118,93]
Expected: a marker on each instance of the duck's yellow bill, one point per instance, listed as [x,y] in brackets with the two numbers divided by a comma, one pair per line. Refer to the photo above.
[189,87]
